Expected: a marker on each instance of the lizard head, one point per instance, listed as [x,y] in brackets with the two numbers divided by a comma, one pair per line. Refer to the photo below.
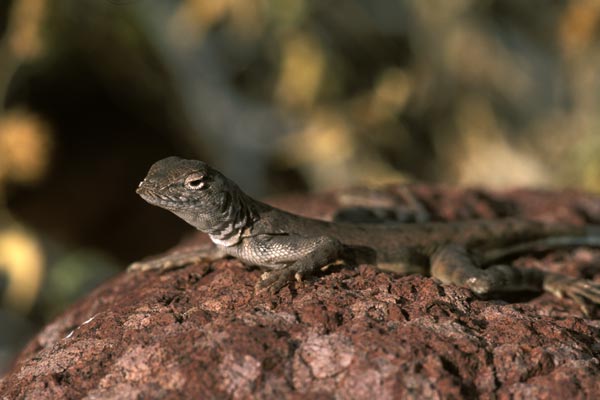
[195,192]
[178,184]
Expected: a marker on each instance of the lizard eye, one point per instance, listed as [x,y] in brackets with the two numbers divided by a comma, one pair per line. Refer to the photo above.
[194,182]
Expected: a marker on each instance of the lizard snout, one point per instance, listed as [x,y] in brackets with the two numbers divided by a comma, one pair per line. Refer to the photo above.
[140,188]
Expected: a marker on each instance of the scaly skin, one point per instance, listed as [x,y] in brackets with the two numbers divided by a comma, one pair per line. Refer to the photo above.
[292,246]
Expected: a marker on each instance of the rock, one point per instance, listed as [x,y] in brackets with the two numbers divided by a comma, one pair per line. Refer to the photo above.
[201,332]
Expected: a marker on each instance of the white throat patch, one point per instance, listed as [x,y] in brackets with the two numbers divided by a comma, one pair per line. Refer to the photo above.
[230,241]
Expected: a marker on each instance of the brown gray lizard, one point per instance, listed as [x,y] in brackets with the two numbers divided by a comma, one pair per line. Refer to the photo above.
[290,246]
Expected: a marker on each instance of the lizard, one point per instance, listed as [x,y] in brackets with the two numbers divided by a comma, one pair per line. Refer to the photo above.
[288,246]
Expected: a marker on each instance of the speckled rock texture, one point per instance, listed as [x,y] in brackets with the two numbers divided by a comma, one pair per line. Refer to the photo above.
[200,332]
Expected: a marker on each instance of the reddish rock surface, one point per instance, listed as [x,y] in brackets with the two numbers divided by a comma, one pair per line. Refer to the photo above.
[201,332]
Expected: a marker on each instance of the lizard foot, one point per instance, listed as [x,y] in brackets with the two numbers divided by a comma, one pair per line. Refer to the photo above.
[274,281]
[582,291]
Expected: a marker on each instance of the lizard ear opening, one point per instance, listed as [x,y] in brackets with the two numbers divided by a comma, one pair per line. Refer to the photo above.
[194,182]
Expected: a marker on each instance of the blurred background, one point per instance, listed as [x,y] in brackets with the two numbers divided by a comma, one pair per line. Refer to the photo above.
[281,95]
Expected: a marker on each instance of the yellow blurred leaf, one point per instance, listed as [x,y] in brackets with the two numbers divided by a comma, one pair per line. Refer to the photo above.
[22,259]
[301,71]
[25,145]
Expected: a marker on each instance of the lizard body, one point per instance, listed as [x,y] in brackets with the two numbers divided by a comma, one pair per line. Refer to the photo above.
[292,246]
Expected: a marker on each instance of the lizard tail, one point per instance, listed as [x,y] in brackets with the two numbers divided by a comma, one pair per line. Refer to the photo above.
[590,238]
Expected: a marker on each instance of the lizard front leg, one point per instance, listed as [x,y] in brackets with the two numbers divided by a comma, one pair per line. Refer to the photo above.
[288,256]
[453,264]
[178,259]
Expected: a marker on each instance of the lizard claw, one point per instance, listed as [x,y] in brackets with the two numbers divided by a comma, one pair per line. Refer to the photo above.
[582,291]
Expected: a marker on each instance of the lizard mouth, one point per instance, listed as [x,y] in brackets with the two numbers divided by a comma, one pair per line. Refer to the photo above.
[157,199]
